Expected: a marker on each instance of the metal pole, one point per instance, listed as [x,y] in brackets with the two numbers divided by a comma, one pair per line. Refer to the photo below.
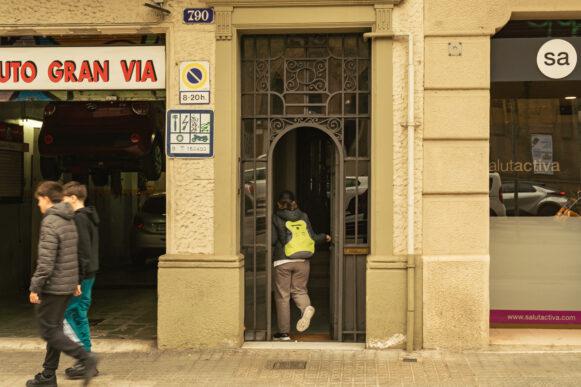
[411,199]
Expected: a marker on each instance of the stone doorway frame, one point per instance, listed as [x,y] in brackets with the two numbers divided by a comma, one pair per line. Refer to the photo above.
[385,271]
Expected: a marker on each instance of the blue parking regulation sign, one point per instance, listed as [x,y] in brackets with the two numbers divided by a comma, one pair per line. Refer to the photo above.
[195,83]
[190,133]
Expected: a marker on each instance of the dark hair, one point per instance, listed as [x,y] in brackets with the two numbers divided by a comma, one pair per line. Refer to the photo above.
[75,188]
[50,189]
[286,201]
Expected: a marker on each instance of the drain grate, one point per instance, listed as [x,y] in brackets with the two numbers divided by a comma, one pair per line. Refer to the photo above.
[289,365]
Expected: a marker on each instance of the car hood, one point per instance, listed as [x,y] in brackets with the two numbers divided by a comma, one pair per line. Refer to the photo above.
[152,218]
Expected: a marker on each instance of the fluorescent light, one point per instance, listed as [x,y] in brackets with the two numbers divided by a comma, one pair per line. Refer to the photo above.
[571,97]
[30,122]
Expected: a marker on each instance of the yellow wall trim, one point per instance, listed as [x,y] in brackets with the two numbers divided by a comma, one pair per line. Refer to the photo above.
[451,34]
[200,258]
[199,264]
[387,266]
[297,3]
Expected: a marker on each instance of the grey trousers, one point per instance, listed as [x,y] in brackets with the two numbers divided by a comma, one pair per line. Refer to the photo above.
[290,279]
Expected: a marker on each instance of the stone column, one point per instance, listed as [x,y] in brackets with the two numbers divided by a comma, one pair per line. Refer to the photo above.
[455,195]
[201,281]
[386,274]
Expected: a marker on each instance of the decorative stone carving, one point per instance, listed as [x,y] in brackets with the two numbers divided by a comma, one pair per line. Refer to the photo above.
[223,23]
[383,18]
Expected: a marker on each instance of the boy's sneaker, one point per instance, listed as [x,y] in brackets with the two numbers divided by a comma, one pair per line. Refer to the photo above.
[281,337]
[305,321]
[90,368]
[41,380]
[69,372]
[77,371]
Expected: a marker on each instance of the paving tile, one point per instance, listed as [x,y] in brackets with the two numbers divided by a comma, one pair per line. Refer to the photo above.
[324,368]
[120,313]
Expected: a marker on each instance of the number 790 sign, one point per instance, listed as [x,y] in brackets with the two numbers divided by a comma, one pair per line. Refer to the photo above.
[198,15]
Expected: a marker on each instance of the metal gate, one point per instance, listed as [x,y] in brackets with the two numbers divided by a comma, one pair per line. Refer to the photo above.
[314,81]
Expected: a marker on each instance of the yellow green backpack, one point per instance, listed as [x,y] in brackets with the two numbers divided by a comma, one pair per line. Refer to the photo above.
[300,244]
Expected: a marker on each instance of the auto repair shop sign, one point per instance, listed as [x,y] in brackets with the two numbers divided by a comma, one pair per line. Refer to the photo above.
[86,68]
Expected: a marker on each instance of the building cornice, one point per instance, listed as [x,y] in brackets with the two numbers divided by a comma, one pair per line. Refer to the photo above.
[297,3]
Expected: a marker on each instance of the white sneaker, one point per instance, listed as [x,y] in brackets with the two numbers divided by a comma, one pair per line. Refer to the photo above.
[305,321]
[281,337]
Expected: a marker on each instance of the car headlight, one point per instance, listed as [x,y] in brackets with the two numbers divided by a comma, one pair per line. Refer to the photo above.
[49,109]
[140,108]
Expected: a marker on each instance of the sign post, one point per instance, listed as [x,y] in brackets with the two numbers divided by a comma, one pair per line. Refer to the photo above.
[195,83]
[190,133]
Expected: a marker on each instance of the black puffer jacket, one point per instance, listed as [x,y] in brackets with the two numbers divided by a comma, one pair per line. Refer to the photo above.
[57,269]
[87,222]
[280,234]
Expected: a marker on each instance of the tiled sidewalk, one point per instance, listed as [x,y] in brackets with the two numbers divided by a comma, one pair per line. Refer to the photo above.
[115,314]
[323,367]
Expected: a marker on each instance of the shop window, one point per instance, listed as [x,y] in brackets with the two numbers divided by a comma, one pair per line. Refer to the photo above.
[535,153]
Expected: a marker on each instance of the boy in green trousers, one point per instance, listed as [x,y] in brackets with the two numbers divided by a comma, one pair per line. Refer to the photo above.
[87,221]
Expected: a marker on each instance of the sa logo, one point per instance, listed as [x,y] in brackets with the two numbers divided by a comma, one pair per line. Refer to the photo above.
[557,59]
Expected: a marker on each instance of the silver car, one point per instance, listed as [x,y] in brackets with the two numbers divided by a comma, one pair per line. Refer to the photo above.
[255,186]
[148,234]
[534,199]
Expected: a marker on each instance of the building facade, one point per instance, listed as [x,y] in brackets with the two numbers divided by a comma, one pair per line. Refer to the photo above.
[418,268]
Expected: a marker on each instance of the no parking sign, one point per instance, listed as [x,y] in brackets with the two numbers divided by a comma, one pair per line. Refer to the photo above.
[195,83]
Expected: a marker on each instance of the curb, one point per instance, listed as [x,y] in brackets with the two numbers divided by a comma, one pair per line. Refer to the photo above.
[303,345]
[99,346]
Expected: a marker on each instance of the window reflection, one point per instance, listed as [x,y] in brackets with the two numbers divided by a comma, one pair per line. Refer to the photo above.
[356,202]
[535,153]
[255,185]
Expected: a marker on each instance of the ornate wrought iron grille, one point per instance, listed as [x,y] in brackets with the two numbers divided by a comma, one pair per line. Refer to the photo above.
[304,80]
[319,79]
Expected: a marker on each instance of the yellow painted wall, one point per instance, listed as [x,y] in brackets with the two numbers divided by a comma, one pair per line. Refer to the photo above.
[452,103]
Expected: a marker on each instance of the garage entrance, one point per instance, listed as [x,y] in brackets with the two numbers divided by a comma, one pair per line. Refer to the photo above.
[305,127]
[107,137]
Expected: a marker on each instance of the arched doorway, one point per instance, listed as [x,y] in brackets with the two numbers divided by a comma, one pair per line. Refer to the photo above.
[308,95]
[307,161]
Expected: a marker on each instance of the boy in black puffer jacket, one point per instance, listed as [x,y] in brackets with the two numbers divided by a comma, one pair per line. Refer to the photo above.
[55,280]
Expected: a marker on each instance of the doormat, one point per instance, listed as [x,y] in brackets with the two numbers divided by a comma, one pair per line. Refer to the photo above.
[289,365]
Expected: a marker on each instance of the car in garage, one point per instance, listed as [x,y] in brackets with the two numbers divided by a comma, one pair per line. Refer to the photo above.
[101,137]
[534,198]
[148,233]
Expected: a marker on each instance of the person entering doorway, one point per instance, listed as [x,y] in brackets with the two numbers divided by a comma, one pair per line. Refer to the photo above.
[293,241]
